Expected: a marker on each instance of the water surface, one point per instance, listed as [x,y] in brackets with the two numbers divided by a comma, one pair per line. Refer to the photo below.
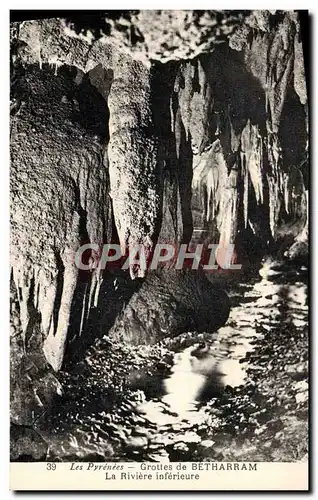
[239,394]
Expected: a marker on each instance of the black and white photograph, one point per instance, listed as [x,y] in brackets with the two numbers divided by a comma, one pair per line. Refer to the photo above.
[159,242]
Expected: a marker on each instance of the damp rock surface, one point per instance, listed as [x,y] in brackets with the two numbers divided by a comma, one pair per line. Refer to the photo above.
[183,127]
[58,197]
[238,395]
[118,134]
[171,302]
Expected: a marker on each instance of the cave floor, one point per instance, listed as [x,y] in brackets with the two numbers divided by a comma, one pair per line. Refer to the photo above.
[240,394]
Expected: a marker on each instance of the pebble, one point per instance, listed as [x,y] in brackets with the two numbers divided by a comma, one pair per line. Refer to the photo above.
[301,397]
[137,442]
[119,433]
[268,444]
[161,457]
[154,446]
[163,439]
[260,430]
[139,431]
[301,385]
[207,443]
[191,437]
[180,447]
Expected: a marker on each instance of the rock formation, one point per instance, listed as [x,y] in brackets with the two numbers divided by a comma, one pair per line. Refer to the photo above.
[168,303]
[148,126]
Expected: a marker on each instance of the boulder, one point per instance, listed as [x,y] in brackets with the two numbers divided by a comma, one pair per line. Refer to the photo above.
[171,302]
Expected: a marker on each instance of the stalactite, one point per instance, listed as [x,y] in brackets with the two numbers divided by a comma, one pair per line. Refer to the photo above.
[299,248]
[273,180]
[184,88]
[299,69]
[270,58]
[210,173]
[48,291]
[218,144]
[213,192]
[252,152]
[245,193]
[286,193]
[175,153]
[22,283]
[84,313]
[59,194]
[196,103]
[229,211]
[134,167]
[54,345]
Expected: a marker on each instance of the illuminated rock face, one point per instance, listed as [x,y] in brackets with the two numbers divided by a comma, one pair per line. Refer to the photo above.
[171,302]
[137,139]
[59,197]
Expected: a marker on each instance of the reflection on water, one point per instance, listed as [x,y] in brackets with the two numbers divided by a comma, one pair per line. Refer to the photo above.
[202,371]
[211,385]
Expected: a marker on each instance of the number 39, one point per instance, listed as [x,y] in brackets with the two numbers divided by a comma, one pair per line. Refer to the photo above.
[50,466]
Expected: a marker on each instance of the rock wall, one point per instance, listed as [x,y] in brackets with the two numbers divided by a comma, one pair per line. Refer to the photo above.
[171,302]
[59,196]
[149,126]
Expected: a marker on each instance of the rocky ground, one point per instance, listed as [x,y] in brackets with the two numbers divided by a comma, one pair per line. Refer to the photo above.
[253,404]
